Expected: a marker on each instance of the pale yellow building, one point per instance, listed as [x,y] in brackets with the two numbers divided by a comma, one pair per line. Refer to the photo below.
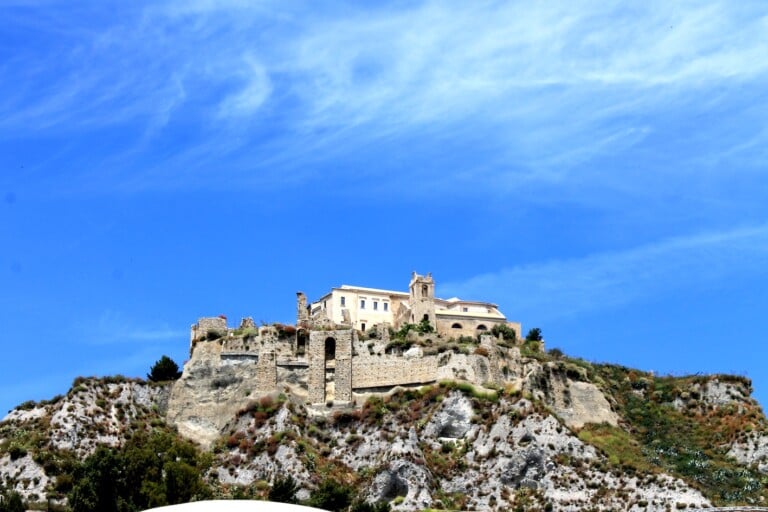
[362,308]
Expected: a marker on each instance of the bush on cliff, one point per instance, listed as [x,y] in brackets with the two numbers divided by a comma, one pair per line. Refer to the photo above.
[164,369]
[534,335]
[11,502]
[150,470]
[283,490]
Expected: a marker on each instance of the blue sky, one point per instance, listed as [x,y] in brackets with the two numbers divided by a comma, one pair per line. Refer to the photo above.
[598,169]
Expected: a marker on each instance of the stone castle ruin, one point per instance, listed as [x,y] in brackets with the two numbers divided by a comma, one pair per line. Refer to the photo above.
[354,340]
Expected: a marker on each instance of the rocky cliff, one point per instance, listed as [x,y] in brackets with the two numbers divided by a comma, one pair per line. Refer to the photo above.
[556,434]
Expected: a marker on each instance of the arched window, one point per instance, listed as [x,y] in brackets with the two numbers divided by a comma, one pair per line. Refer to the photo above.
[481,327]
[330,349]
[456,326]
[301,342]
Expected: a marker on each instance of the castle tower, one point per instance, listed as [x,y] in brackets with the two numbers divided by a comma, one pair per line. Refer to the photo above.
[422,299]
[302,314]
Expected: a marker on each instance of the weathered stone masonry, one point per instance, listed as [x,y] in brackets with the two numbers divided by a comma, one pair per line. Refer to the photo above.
[330,352]
[318,357]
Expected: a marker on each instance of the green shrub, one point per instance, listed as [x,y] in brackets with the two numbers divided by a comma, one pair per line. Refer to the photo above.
[26,406]
[364,506]
[17,451]
[331,495]
[506,332]
[424,327]
[283,490]
[150,470]
[11,502]
[164,369]
[534,335]
[555,352]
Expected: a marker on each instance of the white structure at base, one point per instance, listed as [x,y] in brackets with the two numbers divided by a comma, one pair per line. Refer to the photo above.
[235,506]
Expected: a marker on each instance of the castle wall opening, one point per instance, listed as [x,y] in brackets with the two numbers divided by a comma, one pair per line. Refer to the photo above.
[330,368]
[302,336]
[330,349]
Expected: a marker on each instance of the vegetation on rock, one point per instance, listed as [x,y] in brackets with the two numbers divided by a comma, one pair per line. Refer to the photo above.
[164,369]
[104,449]
[11,502]
[151,470]
[534,335]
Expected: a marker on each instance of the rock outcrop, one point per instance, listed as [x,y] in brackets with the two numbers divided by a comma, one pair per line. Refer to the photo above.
[546,437]
[210,392]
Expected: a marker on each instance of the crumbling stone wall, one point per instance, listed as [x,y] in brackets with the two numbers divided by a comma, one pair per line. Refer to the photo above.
[266,372]
[389,370]
[302,313]
[206,324]
[341,364]
[247,323]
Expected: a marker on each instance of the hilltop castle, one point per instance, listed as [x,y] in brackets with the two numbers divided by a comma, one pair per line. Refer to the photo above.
[355,339]
[362,308]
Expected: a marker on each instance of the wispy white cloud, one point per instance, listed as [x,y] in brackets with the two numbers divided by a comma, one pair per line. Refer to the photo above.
[603,281]
[551,86]
[252,95]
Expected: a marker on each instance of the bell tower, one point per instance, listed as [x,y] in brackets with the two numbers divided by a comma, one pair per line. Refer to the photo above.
[422,299]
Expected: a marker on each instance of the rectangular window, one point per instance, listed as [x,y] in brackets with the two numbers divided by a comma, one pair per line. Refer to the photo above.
[362,304]
[465,309]
[386,306]
[375,306]
[343,301]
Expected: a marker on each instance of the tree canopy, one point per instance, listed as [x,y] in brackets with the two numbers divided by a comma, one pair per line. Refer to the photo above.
[151,470]
[534,335]
[164,369]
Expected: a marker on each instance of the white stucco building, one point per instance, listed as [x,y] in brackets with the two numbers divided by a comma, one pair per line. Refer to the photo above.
[363,307]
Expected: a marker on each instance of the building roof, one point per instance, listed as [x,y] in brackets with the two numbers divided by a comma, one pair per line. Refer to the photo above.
[373,290]
[470,314]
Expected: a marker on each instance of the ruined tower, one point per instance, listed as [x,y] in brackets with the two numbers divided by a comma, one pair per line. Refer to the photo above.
[302,314]
[422,299]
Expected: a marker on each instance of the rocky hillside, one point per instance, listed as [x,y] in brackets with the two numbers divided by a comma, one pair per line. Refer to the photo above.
[561,434]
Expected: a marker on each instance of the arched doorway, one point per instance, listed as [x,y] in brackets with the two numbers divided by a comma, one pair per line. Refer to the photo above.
[302,336]
[330,368]
[330,349]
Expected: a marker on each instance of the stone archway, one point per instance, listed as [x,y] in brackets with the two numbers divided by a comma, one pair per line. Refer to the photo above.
[330,349]
[329,356]
[329,361]
[302,338]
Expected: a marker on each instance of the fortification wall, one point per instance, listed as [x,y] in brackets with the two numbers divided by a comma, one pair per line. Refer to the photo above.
[266,372]
[371,372]
[206,324]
